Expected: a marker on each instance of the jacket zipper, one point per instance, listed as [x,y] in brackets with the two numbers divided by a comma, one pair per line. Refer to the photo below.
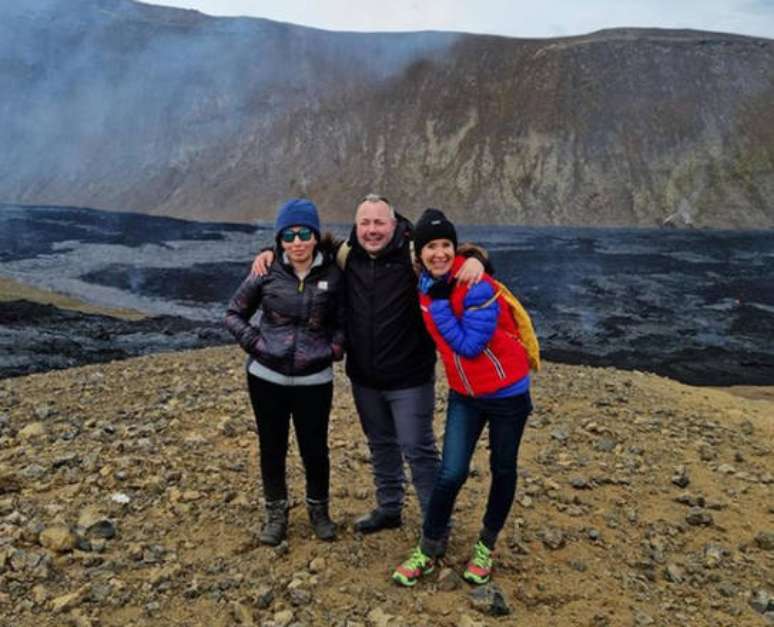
[495,362]
[300,293]
[463,376]
[371,321]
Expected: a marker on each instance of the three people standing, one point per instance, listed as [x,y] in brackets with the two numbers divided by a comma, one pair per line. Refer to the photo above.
[310,305]
[390,356]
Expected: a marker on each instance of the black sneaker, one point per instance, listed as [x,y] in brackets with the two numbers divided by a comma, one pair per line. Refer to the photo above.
[377,520]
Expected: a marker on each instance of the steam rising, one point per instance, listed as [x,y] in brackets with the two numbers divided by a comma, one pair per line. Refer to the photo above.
[119,95]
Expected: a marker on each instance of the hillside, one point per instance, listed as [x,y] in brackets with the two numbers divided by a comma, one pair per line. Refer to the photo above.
[125,106]
[128,497]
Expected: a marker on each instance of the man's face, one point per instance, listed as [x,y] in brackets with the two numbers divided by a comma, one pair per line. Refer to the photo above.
[374,226]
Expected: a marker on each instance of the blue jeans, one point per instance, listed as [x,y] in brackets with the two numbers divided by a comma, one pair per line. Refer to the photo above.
[465,420]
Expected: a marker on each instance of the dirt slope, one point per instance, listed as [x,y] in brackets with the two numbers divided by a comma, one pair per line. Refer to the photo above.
[601,535]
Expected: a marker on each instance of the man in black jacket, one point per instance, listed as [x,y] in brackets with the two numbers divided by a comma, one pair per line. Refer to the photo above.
[391,360]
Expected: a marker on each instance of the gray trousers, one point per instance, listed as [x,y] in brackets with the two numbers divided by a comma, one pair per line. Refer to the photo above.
[399,424]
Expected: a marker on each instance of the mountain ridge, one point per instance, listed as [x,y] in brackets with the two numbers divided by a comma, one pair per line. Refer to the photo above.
[136,107]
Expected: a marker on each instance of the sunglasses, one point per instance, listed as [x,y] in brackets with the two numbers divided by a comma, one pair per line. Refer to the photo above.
[304,234]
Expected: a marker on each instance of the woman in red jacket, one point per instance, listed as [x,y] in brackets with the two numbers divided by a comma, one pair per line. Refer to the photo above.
[488,373]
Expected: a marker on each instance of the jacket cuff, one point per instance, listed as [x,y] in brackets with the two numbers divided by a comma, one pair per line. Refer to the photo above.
[248,339]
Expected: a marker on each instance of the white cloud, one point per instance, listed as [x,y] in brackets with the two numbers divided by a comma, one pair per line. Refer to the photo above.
[515,18]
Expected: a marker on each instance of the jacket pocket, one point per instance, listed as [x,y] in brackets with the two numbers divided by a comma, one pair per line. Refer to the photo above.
[498,366]
[463,376]
[273,348]
[313,354]
[322,309]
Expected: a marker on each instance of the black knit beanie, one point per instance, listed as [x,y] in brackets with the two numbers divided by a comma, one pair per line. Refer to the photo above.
[433,224]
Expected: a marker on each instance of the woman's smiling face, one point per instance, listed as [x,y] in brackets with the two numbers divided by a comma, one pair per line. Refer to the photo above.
[437,256]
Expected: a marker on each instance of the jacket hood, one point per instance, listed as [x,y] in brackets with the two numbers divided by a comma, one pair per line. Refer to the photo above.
[403,230]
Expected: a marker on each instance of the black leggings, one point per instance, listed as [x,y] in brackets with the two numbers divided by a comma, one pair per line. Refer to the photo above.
[310,406]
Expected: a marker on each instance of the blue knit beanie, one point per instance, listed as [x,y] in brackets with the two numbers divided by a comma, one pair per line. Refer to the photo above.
[297,212]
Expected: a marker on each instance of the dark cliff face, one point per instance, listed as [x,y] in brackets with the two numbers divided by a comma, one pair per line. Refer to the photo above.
[119,105]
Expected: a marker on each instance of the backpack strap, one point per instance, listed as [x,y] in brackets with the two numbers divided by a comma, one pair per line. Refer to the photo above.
[528,338]
[487,303]
[342,254]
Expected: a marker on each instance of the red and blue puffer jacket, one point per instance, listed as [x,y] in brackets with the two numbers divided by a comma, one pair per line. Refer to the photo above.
[476,337]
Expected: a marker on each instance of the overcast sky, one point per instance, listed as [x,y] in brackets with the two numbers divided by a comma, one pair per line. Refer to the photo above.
[515,18]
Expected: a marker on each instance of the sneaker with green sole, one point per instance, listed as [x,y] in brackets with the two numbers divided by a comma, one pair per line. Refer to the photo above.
[409,572]
[479,568]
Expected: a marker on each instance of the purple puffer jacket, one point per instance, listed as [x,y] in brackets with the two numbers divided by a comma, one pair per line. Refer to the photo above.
[301,329]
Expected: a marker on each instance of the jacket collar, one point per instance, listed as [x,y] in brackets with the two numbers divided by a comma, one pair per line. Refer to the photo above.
[316,262]
[282,263]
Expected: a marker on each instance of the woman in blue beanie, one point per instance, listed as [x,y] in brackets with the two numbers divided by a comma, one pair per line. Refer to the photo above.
[289,368]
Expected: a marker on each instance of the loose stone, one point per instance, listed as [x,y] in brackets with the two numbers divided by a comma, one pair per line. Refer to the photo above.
[58,539]
[698,517]
[765,540]
[489,599]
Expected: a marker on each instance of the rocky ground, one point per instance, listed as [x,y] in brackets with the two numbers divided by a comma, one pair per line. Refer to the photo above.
[128,496]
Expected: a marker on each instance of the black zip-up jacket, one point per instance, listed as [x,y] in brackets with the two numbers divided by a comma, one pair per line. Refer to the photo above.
[301,329]
[388,347]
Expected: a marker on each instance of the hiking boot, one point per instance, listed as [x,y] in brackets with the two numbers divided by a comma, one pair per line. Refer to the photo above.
[479,568]
[409,572]
[275,527]
[377,520]
[322,525]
